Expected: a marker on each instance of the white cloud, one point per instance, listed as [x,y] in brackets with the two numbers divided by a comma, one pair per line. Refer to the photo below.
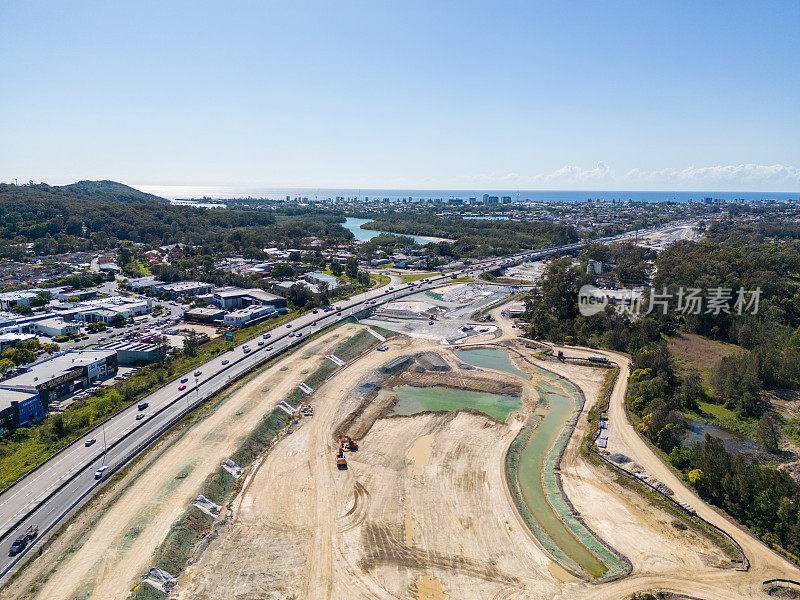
[742,177]
[747,175]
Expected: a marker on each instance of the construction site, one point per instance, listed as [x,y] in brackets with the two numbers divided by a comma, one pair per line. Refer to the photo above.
[376,464]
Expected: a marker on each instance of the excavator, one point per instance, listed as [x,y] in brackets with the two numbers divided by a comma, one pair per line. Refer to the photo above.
[347,443]
[341,461]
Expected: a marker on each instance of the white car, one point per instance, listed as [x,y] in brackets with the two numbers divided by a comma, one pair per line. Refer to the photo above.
[99,473]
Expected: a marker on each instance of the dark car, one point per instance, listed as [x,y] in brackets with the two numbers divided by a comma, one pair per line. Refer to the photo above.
[89,442]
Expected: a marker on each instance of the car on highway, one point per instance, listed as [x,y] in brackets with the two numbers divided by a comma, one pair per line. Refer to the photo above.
[339,314]
[198,373]
[430,322]
[288,325]
[140,416]
[181,388]
[142,405]
[184,380]
[89,442]
[313,323]
[383,348]
[266,336]
[299,334]
[245,348]
[225,362]
[269,348]
[315,311]
[261,343]
[99,473]
[291,334]
[22,541]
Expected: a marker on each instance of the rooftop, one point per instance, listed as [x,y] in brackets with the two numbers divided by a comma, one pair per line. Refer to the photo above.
[54,367]
[9,396]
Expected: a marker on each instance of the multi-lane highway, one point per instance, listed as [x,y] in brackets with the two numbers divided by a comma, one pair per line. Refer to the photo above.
[48,494]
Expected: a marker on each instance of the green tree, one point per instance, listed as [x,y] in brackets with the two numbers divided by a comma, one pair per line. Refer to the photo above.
[768,434]
[351,267]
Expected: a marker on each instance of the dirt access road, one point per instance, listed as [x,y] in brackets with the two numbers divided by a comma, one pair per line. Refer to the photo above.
[764,562]
[110,545]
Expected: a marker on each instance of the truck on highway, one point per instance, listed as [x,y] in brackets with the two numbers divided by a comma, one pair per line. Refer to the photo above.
[19,544]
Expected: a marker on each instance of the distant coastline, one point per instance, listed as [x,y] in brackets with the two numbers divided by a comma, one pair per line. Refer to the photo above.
[200,193]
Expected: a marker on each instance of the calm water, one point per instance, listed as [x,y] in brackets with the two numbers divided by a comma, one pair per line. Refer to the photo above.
[412,400]
[225,192]
[364,235]
[697,431]
[560,407]
[490,359]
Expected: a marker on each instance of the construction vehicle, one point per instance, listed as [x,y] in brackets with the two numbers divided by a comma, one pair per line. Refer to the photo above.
[347,443]
[22,541]
[341,461]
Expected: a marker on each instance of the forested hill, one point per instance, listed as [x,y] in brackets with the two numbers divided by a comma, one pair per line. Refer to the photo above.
[111,190]
[60,219]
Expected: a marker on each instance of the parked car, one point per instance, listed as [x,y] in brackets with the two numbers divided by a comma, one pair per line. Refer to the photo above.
[383,348]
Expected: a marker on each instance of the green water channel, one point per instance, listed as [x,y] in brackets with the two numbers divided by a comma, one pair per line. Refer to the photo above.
[533,459]
[490,359]
[412,400]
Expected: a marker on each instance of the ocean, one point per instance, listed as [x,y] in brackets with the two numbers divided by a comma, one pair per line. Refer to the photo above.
[173,192]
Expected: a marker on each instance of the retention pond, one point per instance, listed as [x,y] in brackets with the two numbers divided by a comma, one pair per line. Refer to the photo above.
[412,400]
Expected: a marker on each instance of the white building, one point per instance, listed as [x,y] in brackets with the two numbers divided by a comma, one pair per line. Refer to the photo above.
[243,316]
[56,327]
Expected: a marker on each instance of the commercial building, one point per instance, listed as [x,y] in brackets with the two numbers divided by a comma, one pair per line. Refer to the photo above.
[204,315]
[232,298]
[10,299]
[56,327]
[250,314]
[81,295]
[60,375]
[316,277]
[134,353]
[18,408]
[143,284]
[105,310]
[184,289]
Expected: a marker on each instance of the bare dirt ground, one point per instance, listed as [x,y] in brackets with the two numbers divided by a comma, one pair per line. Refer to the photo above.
[422,512]
[707,582]
[110,545]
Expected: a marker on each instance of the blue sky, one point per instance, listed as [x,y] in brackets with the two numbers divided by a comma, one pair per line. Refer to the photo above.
[536,95]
